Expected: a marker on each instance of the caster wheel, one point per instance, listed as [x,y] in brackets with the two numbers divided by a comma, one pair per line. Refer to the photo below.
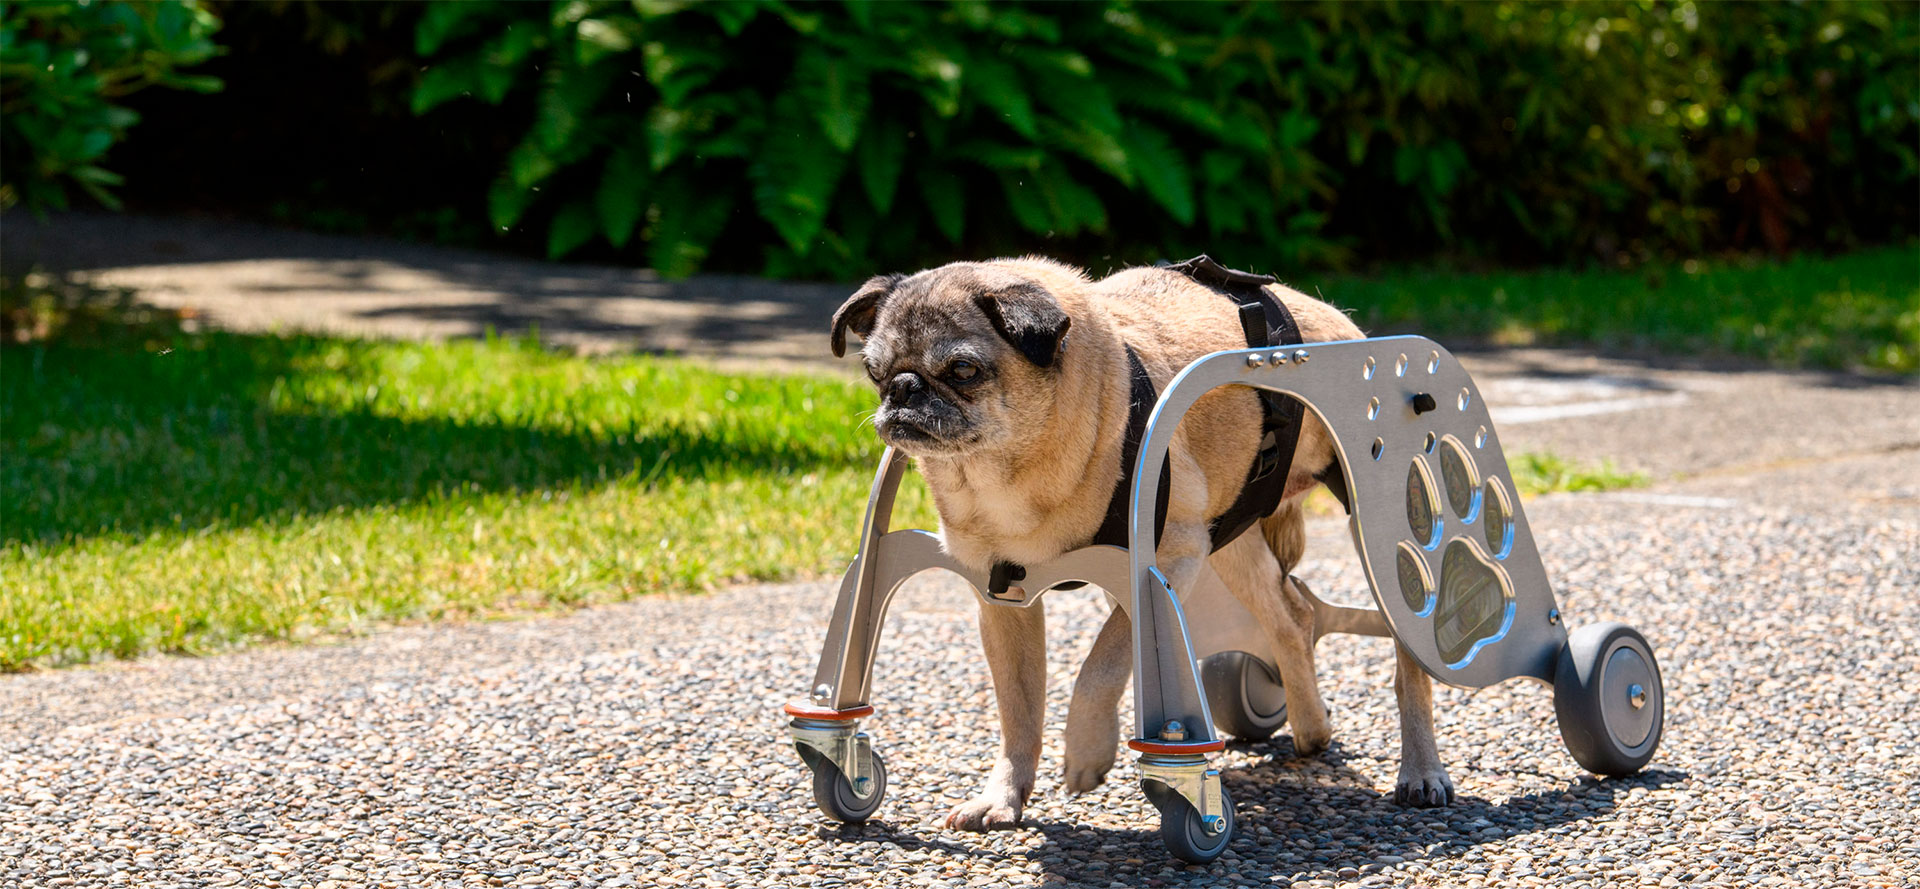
[1608,697]
[836,796]
[1246,696]
[1183,830]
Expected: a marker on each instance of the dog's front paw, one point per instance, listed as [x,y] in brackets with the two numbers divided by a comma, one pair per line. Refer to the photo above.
[983,813]
[1423,788]
[1311,735]
[1090,751]
[1084,773]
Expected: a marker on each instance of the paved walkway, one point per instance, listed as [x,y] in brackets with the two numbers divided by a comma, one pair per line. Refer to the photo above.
[251,277]
[1670,421]
[1774,563]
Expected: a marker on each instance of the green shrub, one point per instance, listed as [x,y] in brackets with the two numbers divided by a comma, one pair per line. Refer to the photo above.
[833,138]
[62,63]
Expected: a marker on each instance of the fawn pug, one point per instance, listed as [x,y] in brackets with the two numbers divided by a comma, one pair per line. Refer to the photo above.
[1008,382]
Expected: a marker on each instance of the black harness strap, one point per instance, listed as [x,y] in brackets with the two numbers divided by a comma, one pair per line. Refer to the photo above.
[1266,322]
[1113,531]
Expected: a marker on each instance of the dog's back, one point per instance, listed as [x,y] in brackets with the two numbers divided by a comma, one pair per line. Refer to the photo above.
[1178,320]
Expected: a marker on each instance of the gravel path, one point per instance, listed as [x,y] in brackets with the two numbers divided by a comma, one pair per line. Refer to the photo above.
[640,745]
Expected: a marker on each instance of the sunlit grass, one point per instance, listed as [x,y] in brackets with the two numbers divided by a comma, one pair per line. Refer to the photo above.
[1546,474]
[213,489]
[188,493]
[1854,311]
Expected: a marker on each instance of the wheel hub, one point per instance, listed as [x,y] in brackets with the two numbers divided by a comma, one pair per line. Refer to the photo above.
[1627,686]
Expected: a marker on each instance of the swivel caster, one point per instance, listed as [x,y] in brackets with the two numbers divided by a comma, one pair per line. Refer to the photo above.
[849,779]
[1608,698]
[840,799]
[1196,815]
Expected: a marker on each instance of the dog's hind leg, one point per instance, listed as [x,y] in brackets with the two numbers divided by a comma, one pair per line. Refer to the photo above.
[1093,716]
[1015,640]
[1423,779]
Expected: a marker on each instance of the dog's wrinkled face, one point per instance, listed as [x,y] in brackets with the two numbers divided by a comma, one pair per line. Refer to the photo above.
[965,356]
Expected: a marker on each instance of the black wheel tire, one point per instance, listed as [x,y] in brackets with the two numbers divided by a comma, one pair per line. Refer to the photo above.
[1246,696]
[833,793]
[1593,698]
[1181,829]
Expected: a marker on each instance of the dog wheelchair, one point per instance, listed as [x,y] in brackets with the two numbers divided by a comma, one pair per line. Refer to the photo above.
[1456,580]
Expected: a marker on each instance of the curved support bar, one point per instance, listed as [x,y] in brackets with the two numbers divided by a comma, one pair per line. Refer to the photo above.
[842,681]
[1102,566]
[853,631]
[1484,610]
[1166,680]
[853,635]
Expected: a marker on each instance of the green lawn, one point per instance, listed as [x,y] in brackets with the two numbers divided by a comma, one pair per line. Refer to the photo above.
[166,490]
[239,487]
[1854,311]
[187,494]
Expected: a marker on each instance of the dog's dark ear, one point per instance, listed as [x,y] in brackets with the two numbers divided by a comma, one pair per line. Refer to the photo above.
[856,314]
[1029,318]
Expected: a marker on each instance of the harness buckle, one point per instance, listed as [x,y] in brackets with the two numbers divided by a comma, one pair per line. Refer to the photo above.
[1001,579]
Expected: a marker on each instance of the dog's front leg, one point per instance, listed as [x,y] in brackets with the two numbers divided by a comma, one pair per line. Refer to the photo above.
[1093,716]
[1015,640]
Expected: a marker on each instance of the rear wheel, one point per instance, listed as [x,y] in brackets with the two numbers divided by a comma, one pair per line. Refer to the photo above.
[1246,696]
[1609,699]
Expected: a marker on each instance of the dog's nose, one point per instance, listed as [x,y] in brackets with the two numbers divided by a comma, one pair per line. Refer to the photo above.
[905,385]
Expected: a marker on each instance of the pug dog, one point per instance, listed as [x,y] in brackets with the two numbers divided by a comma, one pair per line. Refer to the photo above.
[1008,383]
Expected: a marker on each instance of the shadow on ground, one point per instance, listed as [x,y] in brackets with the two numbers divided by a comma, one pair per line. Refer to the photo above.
[1328,821]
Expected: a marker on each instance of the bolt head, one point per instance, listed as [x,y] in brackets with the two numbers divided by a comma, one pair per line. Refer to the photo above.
[1256,361]
[1300,356]
[1553,615]
[1213,824]
[823,693]
[1636,695]
[1173,731]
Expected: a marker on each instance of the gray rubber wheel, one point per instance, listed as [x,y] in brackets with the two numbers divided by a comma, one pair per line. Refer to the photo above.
[1182,829]
[1247,698]
[834,793]
[1609,699]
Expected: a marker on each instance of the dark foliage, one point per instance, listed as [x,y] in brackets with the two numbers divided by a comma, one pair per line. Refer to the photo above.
[836,139]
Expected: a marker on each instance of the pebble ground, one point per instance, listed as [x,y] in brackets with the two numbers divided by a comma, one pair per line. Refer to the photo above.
[641,745]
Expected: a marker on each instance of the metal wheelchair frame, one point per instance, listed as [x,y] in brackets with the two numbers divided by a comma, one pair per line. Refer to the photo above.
[1447,552]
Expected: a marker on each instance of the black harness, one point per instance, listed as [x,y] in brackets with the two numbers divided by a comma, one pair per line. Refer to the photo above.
[1266,323]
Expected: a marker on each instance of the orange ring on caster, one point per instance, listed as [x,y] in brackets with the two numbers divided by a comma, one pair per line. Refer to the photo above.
[1176,748]
[807,711]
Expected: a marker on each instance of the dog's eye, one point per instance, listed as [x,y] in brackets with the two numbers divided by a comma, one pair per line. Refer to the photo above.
[962,371]
[873,373]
